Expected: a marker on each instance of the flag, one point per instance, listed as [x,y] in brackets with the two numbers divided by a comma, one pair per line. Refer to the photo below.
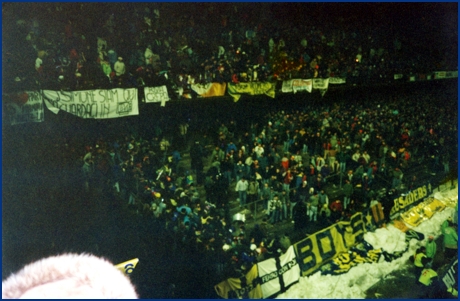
[210,89]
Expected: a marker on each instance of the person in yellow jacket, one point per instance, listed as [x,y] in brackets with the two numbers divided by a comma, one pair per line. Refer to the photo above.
[428,279]
[419,255]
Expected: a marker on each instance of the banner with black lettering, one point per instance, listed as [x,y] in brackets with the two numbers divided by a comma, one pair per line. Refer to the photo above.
[23,107]
[245,287]
[277,274]
[297,85]
[95,104]
[156,94]
[422,212]
[324,245]
[210,89]
[405,201]
[252,88]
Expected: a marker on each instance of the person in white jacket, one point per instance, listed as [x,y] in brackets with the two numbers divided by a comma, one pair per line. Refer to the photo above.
[119,67]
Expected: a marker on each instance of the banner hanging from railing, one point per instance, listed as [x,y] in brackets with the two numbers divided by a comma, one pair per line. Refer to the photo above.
[321,83]
[322,246]
[95,104]
[210,89]
[156,94]
[445,74]
[337,80]
[297,85]
[23,107]
[405,201]
[277,274]
[251,88]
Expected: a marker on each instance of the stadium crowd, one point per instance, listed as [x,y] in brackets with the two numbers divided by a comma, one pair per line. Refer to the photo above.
[282,163]
[79,47]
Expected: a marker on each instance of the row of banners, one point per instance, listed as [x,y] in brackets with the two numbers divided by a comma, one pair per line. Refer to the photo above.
[333,250]
[114,103]
[275,275]
[427,76]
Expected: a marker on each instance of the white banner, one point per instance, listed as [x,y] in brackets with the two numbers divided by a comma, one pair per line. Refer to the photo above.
[287,86]
[398,76]
[156,94]
[321,83]
[97,104]
[445,74]
[23,107]
[277,274]
[337,80]
[296,85]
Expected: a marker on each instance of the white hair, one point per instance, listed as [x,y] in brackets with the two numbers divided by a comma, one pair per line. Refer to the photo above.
[78,276]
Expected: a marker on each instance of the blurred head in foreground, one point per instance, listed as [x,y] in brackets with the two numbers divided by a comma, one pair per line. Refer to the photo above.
[69,276]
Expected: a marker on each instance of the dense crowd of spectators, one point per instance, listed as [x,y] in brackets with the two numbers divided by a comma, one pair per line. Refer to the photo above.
[281,165]
[80,46]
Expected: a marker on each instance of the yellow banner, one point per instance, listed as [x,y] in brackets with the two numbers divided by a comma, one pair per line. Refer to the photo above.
[411,198]
[400,225]
[127,267]
[423,211]
[326,244]
[246,287]
[209,90]
[252,88]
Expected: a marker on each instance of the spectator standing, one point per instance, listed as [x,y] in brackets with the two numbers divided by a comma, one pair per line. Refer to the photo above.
[312,207]
[294,199]
[430,250]
[325,172]
[343,158]
[300,216]
[397,177]
[429,281]
[87,171]
[240,170]
[253,189]
[274,209]
[119,68]
[196,160]
[420,253]
[325,215]
[323,199]
[284,198]
[242,188]
[450,239]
